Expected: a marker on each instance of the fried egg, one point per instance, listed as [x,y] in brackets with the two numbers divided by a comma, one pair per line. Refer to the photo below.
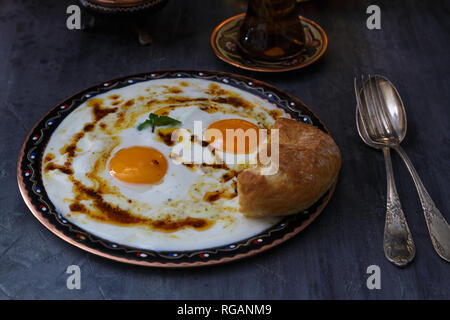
[171,188]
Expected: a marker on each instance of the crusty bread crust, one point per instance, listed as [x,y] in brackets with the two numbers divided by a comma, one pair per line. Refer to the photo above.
[309,162]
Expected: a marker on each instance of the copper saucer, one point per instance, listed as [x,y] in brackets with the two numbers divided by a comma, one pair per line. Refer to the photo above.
[224,43]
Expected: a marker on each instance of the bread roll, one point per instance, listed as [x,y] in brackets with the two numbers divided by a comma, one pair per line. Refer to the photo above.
[309,163]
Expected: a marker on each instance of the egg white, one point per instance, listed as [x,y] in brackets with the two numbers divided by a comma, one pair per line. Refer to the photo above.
[181,185]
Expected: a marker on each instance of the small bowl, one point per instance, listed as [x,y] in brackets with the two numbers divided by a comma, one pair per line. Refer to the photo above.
[122,7]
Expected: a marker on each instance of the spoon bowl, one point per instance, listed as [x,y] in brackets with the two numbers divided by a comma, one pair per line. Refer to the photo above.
[394,109]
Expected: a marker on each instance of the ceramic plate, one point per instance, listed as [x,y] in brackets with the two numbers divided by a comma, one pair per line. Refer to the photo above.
[136,247]
[224,41]
[114,7]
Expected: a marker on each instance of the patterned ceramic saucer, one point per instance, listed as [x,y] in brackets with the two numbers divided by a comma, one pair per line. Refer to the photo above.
[29,168]
[122,7]
[224,43]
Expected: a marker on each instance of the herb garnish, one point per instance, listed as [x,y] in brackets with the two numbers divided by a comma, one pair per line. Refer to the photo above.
[157,121]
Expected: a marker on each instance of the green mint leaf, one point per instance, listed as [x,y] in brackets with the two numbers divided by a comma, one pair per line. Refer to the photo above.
[165,121]
[144,125]
[157,121]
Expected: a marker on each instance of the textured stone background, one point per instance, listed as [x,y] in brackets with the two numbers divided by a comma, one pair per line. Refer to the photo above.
[41,62]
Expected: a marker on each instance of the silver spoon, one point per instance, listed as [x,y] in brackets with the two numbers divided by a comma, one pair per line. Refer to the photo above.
[390,119]
[398,244]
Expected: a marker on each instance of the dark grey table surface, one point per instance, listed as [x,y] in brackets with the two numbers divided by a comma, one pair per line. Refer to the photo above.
[42,62]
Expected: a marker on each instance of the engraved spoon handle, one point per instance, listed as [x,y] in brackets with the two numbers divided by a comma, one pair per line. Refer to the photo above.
[437,225]
[398,244]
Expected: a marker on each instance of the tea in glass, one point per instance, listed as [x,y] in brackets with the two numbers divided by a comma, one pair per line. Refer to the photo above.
[272,30]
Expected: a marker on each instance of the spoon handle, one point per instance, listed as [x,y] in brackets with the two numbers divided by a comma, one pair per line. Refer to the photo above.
[398,244]
[437,225]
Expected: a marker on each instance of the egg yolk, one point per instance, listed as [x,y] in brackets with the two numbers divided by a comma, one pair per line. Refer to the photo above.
[233,136]
[138,164]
